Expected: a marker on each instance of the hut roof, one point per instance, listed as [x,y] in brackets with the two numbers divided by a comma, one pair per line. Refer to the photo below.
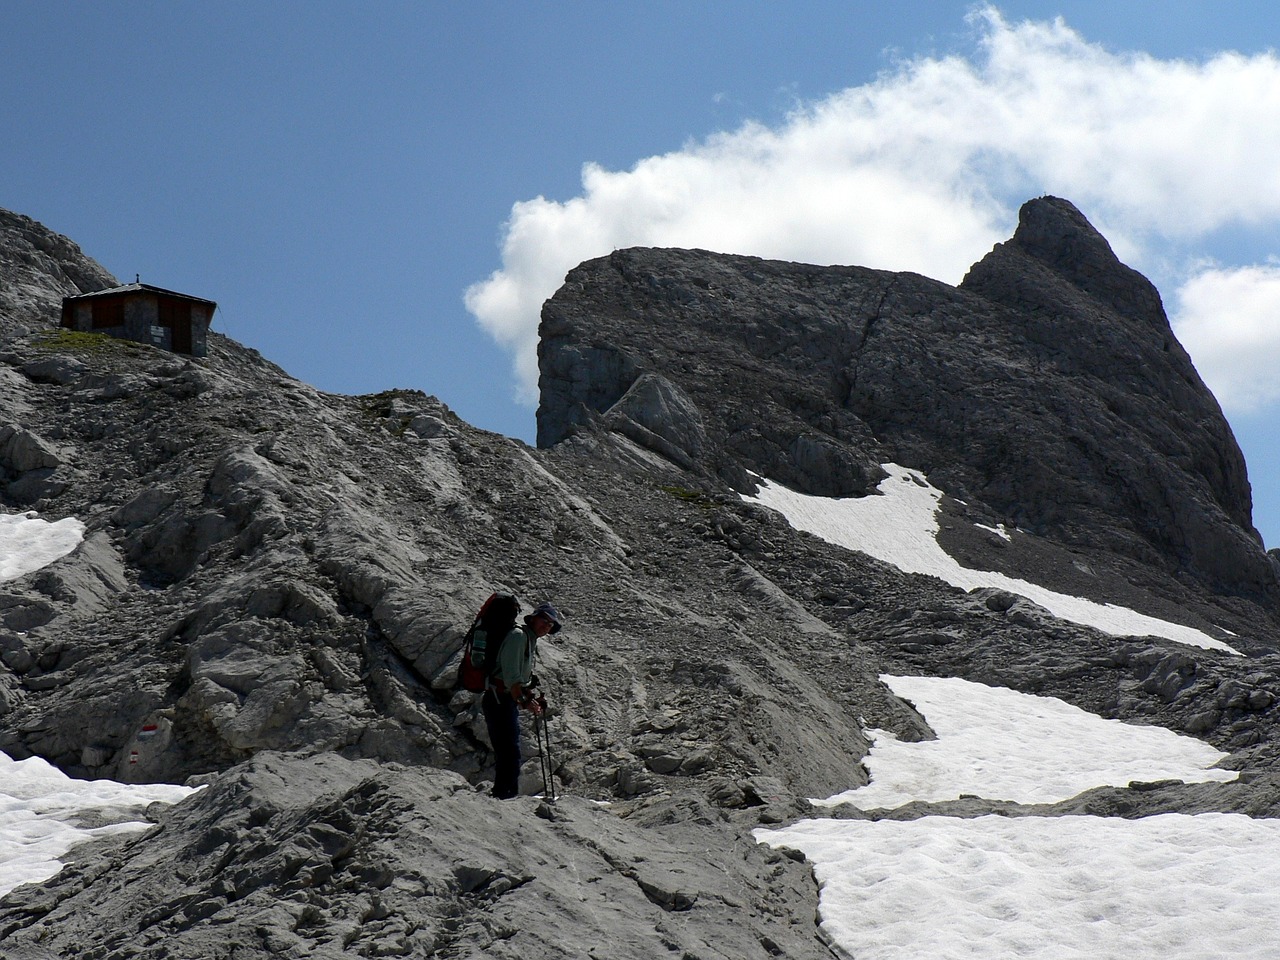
[136,288]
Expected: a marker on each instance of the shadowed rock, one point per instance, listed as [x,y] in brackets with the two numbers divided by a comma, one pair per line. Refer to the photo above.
[1048,388]
[274,585]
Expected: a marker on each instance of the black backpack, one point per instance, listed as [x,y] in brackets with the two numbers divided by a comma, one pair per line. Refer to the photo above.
[496,619]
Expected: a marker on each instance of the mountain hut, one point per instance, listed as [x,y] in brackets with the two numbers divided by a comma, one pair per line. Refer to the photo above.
[138,311]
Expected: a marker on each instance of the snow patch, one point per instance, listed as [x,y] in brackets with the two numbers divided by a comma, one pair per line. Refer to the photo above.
[1168,887]
[28,543]
[999,530]
[39,804]
[1000,744]
[900,527]
[39,807]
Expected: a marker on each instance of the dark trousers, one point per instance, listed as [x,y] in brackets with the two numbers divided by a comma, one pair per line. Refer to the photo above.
[502,717]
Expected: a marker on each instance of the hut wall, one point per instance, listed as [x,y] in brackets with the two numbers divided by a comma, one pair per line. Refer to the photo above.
[171,323]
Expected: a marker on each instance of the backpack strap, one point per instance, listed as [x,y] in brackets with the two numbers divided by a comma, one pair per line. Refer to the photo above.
[493,682]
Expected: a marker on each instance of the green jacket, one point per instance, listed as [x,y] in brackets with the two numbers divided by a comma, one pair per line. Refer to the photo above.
[515,657]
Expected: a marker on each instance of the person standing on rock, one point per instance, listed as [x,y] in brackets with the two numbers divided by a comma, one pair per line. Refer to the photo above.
[509,691]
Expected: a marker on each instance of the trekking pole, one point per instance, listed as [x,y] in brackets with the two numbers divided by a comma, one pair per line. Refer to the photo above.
[551,768]
[543,735]
[542,758]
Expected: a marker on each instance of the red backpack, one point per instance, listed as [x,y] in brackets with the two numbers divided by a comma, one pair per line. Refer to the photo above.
[496,619]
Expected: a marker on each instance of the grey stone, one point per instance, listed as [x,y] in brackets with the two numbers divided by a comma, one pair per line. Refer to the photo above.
[655,413]
[811,376]
[22,614]
[22,451]
[663,762]
[272,570]
[145,507]
[62,370]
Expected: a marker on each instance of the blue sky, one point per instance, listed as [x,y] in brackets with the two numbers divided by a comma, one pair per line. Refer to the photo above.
[379,194]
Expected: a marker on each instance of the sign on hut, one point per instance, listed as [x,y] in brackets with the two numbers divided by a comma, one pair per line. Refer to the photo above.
[147,314]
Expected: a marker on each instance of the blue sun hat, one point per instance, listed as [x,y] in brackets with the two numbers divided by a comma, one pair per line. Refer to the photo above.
[548,611]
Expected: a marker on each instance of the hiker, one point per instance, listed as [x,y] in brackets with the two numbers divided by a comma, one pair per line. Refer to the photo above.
[509,690]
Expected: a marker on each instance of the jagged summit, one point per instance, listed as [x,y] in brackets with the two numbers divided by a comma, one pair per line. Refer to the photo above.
[1057,235]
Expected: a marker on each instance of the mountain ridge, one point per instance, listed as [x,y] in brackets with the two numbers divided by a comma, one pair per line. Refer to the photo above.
[278,580]
[1001,398]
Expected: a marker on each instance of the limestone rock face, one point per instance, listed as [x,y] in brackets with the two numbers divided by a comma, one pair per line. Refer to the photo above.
[40,267]
[1155,451]
[758,347]
[274,584]
[1048,388]
[656,414]
[330,858]
[1057,235]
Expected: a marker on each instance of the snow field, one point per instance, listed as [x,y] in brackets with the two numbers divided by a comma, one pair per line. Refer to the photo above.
[900,527]
[1003,745]
[39,807]
[1171,887]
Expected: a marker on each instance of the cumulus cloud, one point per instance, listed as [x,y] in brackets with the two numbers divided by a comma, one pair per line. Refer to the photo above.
[924,168]
[1229,321]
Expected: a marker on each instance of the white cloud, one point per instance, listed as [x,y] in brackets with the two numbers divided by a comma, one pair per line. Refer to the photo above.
[1229,321]
[924,168]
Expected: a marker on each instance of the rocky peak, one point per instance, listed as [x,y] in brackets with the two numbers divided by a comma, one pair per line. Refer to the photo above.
[1056,237]
[274,584]
[1048,388]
